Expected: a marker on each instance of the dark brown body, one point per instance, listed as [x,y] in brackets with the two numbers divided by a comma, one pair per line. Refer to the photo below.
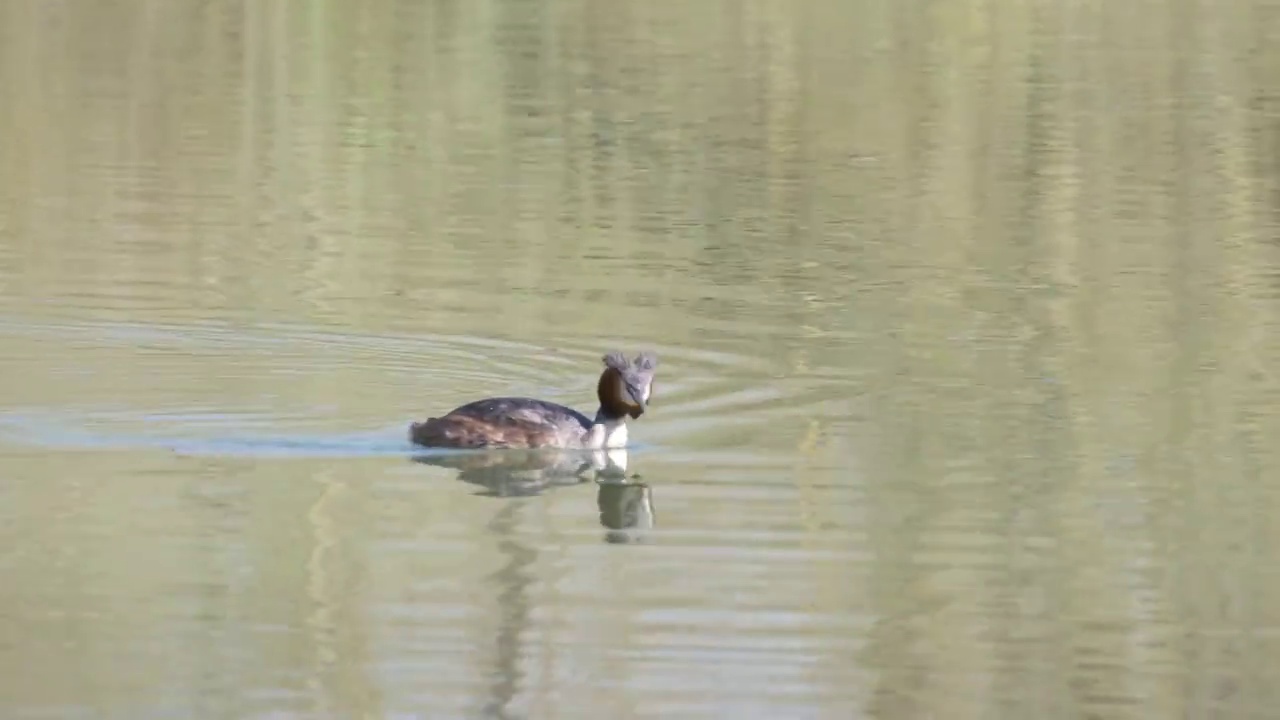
[504,423]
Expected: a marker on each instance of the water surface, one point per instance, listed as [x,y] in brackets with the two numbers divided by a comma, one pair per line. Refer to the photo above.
[968,320]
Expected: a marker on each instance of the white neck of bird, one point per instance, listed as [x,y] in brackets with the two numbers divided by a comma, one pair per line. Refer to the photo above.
[608,433]
[610,463]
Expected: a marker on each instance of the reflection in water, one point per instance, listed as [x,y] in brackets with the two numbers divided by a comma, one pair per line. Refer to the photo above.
[512,582]
[625,508]
[625,505]
[506,473]
[981,335]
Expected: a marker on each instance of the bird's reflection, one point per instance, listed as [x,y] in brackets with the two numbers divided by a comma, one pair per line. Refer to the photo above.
[625,503]
[520,473]
[626,509]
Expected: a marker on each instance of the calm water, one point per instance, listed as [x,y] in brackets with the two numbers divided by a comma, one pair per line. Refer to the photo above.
[968,313]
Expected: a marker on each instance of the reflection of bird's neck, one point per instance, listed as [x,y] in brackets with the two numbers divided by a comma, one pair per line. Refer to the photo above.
[624,506]
[607,431]
[610,463]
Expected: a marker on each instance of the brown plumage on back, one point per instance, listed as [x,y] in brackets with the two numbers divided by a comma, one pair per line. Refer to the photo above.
[501,423]
[464,431]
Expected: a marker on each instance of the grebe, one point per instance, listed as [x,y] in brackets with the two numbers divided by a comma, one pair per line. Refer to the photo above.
[511,422]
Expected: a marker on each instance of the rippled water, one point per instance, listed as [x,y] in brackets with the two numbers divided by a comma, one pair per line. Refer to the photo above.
[968,322]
